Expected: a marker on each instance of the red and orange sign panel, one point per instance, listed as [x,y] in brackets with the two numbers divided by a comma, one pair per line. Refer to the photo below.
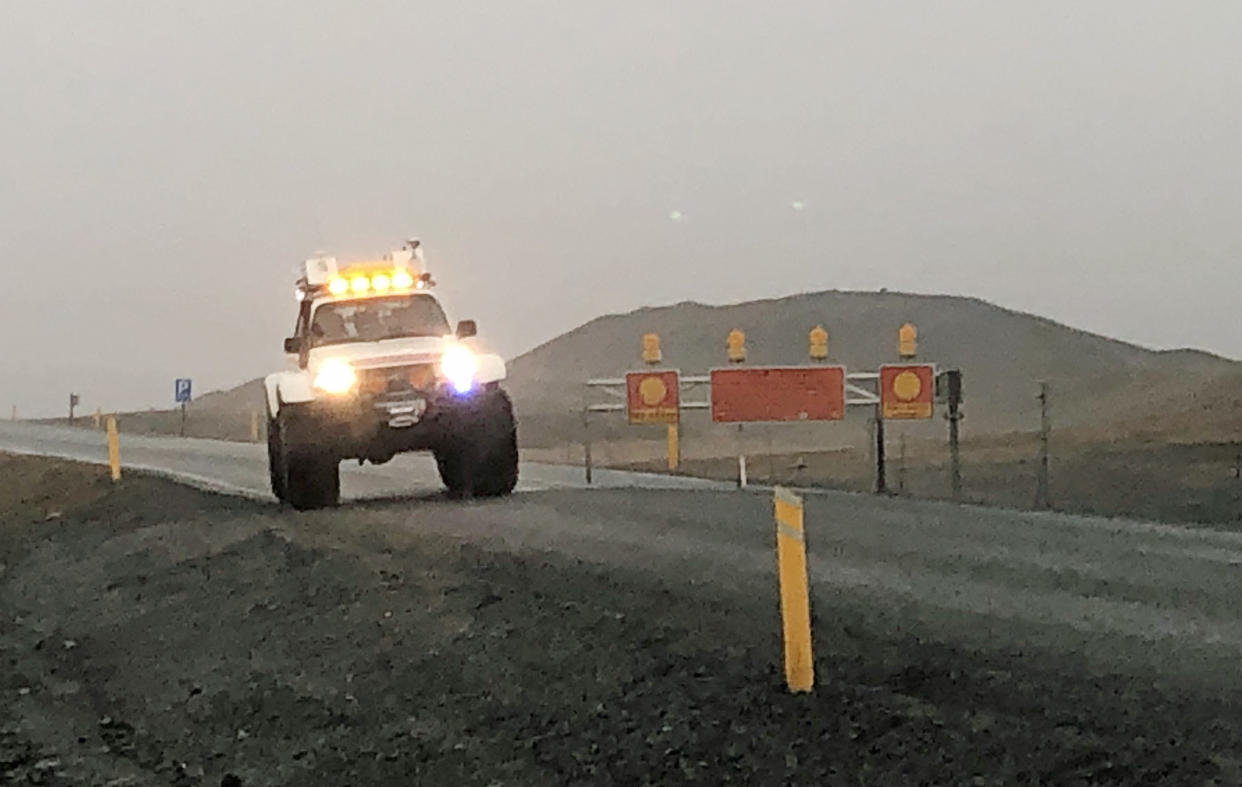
[653,397]
[778,393]
[907,391]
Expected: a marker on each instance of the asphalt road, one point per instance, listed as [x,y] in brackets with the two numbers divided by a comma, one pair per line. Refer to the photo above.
[1119,596]
[241,468]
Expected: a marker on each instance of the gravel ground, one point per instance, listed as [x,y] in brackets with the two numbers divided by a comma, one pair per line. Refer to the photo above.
[151,634]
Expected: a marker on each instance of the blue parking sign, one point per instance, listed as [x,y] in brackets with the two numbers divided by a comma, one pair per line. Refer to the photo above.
[183,390]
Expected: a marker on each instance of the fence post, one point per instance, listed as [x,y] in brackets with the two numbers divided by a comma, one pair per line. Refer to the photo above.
[1043,494]
[586,444]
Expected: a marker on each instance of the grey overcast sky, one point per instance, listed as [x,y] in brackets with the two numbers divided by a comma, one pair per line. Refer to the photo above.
[164,166]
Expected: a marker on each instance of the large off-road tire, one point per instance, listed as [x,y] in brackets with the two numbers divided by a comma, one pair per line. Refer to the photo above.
[275,463]
[306,475]
[482,458]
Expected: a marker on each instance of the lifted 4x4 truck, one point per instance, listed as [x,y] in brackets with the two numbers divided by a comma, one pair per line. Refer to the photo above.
[374,370]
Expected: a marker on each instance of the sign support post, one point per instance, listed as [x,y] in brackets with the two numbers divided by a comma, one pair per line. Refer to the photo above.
[954,397]
[881,479]
[674,448]
[183,390]
[901,466]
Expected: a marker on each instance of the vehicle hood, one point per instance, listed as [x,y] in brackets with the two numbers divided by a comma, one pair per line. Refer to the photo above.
[390,352]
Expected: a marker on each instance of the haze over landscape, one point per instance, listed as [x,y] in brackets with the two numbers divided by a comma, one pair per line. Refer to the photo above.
[166,167]
[427,556]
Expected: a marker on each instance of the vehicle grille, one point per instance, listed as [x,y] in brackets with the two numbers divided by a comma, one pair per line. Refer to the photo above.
[394,379]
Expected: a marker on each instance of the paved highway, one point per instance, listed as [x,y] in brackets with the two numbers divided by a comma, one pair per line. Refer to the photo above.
[241,468]
[1122,595]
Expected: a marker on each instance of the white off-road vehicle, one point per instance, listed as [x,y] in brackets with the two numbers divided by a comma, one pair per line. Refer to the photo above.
[375,370]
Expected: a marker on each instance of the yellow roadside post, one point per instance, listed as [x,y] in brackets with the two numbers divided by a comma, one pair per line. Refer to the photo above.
[795,596]
[254,427]
[674,447]
[114,449]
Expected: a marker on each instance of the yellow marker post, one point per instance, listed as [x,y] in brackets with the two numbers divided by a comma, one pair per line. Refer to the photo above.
[795,596]
[254,427]
[114,449]
[674,447]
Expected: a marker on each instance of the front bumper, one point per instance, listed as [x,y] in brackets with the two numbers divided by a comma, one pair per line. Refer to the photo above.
[376,427]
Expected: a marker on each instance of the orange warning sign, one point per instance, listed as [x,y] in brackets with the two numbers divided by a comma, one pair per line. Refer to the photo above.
[653,397]
[778,393]
[907,391]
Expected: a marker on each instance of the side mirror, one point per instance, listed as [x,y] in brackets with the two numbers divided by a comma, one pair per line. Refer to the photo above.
[467,328]
[293,345]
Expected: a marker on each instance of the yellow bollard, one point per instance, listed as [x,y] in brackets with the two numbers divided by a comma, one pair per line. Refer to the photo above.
[674,447]
[114,449]
[795,596]
[254,427]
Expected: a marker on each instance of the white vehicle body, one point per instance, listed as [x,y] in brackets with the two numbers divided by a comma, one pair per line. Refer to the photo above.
[295,385]
[373,369]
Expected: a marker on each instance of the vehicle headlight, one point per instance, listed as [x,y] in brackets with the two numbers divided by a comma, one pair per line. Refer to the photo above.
[460,366]
[336,377]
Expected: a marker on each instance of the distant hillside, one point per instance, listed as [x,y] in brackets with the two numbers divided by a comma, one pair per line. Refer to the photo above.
[1002,353]
[241,399]
[1100,386]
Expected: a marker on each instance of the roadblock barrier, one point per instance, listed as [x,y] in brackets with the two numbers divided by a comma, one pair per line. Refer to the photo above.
[795,594]
[817,391]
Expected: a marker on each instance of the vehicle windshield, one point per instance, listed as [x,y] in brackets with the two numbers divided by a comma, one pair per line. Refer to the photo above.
[374,319]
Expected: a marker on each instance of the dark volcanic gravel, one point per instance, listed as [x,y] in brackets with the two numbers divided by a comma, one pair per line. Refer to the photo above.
[154,635]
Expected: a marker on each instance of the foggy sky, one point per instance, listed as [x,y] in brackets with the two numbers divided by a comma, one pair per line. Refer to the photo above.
[164,167]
